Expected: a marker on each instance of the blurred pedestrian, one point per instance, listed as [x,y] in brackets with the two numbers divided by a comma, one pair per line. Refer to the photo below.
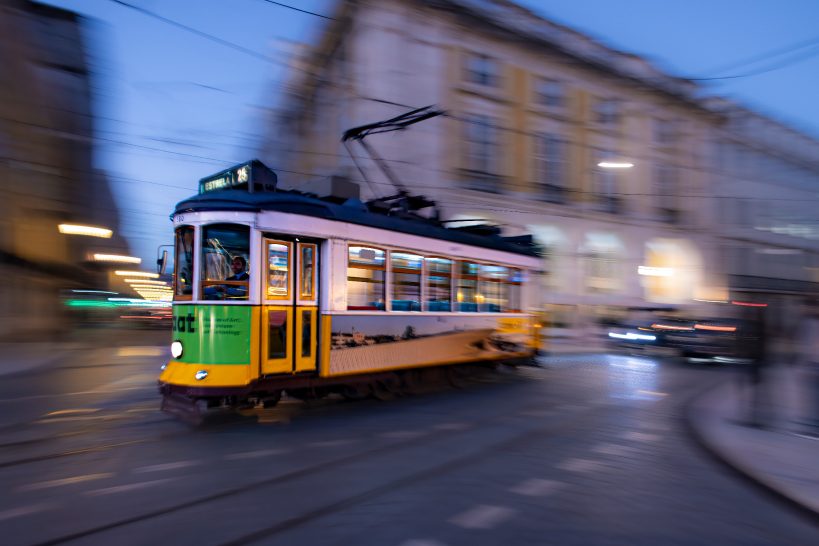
[810,361]
[758,353]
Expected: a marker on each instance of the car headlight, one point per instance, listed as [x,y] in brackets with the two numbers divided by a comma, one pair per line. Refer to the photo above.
[176,349]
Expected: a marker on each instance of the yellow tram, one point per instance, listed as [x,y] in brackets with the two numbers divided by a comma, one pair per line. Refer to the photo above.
[336,295]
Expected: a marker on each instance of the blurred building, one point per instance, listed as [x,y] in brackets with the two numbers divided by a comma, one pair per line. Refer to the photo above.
[764,177]
[46,173]
[534,108]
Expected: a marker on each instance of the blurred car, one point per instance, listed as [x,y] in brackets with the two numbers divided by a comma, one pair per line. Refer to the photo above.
[661,335]
[717,340]
[160,318]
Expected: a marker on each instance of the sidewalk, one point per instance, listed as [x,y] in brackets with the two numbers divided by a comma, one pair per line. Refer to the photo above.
[28,356]
[782,457]
[554,346]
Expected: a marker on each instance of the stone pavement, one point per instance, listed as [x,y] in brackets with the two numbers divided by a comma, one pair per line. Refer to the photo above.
[782,456]
[28,356]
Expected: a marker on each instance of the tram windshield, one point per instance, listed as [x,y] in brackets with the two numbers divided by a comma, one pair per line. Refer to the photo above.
[183,263]
[225,260]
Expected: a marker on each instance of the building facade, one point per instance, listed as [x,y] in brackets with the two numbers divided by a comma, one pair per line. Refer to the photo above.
[533,109]
[765,183]
[46,173]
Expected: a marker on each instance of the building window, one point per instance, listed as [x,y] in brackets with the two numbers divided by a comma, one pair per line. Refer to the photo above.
[605,182]
[366,269]
[665,131]
[602,272]
[549,93]
[666,188]
[607,111]
[482,70]
[550,167]
[482,153]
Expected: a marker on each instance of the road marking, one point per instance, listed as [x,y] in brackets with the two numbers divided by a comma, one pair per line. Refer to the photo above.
[537,413]
[165,466]
[255,454]
[453,426]
[656,427]
[73,411]
[64,481]
[653,394]
[24,511]
[402,434]
[127,487]
[482,517]
[537,487]
[141,351]
[617,450]
[582,465]
[331,443]
[641,436]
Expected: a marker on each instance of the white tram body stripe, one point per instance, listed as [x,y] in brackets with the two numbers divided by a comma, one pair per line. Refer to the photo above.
[333,278]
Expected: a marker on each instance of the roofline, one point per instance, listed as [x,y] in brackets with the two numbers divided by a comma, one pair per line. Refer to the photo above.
[297,203]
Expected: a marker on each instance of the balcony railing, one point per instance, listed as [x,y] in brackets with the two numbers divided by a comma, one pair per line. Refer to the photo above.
[609,203]
[552,193]
[481,181]
[669,215]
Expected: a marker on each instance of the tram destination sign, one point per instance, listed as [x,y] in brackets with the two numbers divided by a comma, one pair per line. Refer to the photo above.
[252,176]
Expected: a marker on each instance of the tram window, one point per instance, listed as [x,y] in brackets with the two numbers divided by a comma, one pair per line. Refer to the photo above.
[406,281]
[183,263]
[467,287]
[365,278]
[277,334]
[439,284]
[278,270]
[225,251]
[306,332]
[307,275]
[515,283]
[493,288]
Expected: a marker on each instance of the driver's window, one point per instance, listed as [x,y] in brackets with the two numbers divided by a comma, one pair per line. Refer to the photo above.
[225,260]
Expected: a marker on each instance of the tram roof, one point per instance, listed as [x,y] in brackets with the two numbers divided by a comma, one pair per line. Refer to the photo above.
[351,211]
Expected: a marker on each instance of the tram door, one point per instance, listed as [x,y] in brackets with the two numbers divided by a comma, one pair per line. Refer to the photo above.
[289,326]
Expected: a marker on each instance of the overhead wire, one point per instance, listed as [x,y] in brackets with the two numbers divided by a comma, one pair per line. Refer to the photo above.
[298,9]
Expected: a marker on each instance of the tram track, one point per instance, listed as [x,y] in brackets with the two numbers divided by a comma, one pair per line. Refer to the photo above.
[328,508]
[336,506]
[228,420]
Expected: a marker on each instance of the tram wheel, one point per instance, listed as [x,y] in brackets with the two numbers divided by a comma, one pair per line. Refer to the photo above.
[456,376]
[382,390]
[272,400]
[356,392]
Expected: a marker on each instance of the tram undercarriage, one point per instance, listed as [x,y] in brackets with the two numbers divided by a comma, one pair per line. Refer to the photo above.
[193,405]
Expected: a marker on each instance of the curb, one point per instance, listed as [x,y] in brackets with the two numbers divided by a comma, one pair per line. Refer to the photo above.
[31,368]
[736,468]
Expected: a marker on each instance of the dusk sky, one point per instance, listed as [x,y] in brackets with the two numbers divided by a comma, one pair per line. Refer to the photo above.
[175,106]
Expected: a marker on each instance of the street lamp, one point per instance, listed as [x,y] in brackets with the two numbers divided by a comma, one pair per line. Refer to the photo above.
[137,274]
[615,165]
[117,258]
[89,231]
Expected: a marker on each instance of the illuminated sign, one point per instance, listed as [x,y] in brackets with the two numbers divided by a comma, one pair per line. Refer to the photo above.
[251,176]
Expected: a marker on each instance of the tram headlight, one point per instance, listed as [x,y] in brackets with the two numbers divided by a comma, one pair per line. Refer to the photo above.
[200,375]
[176,349]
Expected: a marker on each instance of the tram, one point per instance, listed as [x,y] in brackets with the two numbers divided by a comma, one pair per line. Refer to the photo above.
[338,295]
